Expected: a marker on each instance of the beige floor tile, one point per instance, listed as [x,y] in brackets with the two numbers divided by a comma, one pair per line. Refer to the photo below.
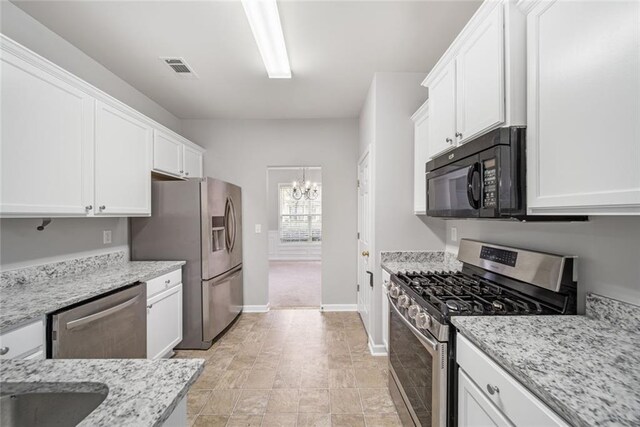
[260,378]
[252,402]
[220,402]
[337,361]
[288,377]
[267,361]
[371,378]
[382,420]
[240,420]
[314,377]
[345,401]
[210,421]
[219,362]
[342,378]
[242,361]
[314,400]
[232,378]
[347,420]
[376,401]
[279,420]
[283,401]
[196,400]
[208,379]
[314,420]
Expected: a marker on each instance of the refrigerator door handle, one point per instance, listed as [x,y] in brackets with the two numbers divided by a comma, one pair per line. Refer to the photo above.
[229,275]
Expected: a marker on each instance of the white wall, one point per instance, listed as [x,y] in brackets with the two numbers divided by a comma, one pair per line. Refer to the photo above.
[240,151]
[21,245]
[385,124]
[608,249]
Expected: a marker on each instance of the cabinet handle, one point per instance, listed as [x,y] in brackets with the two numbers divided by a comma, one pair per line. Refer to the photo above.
[88,207]
[492,389]
[449,140]
[181,171]
[150,306]
[167,281]
[4,350]
[459,135]
[186,173]
[103,207]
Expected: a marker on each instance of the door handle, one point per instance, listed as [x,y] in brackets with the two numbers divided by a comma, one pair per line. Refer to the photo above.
[473,185]
[370,278]
[365,253]
[101,314]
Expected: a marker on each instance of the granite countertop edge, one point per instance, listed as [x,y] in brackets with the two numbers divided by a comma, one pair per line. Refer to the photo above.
[150,270]
[555,404]
[182,394]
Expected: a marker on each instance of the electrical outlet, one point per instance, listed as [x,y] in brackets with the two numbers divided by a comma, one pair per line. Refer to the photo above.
[258,228]
[454,234]
[106,237]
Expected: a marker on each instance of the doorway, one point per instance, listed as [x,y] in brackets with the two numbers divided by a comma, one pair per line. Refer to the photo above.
[294,197]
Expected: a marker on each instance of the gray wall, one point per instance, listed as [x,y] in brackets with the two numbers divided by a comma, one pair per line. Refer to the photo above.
[21,245]
[385,123]
[285,176]
[608,249]
[240,151]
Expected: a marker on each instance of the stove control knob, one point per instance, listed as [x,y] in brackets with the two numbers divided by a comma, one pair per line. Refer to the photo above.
[403,301]
[423,320]
[394,291]
[414,310]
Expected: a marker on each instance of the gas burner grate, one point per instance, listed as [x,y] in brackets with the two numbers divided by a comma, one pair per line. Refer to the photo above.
[462,294]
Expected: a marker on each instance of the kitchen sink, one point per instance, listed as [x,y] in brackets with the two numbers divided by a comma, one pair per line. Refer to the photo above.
[48,404]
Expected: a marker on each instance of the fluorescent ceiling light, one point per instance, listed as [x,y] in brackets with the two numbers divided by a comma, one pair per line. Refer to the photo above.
[265,24]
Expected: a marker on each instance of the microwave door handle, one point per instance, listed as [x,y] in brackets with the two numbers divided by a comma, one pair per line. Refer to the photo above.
[475,168]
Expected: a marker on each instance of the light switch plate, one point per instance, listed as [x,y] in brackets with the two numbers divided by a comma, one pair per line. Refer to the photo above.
[258,228]
[106,237]
[454,234]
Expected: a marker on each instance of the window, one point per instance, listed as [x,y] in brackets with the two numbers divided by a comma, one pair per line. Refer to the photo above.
[300,220]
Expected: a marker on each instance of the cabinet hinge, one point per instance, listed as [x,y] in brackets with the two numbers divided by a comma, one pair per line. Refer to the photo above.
[358,183]
[358,235]
[357,288]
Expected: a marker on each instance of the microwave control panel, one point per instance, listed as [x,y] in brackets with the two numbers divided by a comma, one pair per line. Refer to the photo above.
[489,186]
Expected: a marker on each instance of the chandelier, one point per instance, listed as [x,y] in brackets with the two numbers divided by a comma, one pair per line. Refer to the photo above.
[304,188]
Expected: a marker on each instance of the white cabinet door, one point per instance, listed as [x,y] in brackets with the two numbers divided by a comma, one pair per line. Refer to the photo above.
[420,157]
[123,163]
[480,78]
[442,111]
[583,114]
[192,163]
[167,154]
[23,342]
[474,409]
[47,142]
[164,322]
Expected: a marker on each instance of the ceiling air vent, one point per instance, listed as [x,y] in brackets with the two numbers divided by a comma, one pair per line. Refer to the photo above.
[179,67]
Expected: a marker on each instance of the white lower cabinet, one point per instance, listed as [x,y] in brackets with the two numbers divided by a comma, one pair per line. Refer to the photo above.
[24,342]
[489,396]
[164,317]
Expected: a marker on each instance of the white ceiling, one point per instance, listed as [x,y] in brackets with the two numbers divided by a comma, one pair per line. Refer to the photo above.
[334,49]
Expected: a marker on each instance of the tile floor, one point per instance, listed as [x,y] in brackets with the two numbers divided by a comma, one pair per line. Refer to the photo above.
[292,368]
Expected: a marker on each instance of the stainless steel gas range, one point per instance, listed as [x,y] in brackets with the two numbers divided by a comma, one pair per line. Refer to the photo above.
[494,281]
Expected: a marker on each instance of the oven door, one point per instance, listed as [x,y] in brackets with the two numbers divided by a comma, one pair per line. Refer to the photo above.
[455,190]
[418,366]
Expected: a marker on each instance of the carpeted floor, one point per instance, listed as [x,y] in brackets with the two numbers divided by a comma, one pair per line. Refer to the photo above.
[294,284]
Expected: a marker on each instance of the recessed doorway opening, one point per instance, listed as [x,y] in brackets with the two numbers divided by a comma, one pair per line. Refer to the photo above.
[295,236]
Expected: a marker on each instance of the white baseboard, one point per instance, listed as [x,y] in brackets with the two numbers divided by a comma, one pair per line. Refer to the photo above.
[255,308]
[339,307]
[377,349]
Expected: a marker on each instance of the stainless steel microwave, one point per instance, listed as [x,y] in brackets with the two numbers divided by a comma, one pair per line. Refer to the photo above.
[484,178]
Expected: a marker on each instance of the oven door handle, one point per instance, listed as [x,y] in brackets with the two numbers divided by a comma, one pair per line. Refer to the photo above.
[425,340]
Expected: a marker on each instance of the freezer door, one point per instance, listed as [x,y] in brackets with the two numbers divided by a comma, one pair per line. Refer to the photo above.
[221,227]
[112,327]
[222,301]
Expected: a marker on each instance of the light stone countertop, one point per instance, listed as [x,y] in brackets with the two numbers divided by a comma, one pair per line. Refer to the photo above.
[410,261]
[140,392]
[586,367]
[23,300]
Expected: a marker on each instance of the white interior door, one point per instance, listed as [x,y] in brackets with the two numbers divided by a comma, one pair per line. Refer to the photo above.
[365,232]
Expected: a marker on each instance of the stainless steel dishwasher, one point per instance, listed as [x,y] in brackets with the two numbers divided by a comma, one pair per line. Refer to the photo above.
[109,327]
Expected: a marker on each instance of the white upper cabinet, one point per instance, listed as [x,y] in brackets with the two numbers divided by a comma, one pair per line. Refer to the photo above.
[583,92]
[479,84]
[480,79]
[167,154]
[123,163]
[442,96]
[192,161]
[47,141]
[68,149]
[420,157]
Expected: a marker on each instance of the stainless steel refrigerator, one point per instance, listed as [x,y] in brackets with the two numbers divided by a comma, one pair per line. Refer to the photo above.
[199,221]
